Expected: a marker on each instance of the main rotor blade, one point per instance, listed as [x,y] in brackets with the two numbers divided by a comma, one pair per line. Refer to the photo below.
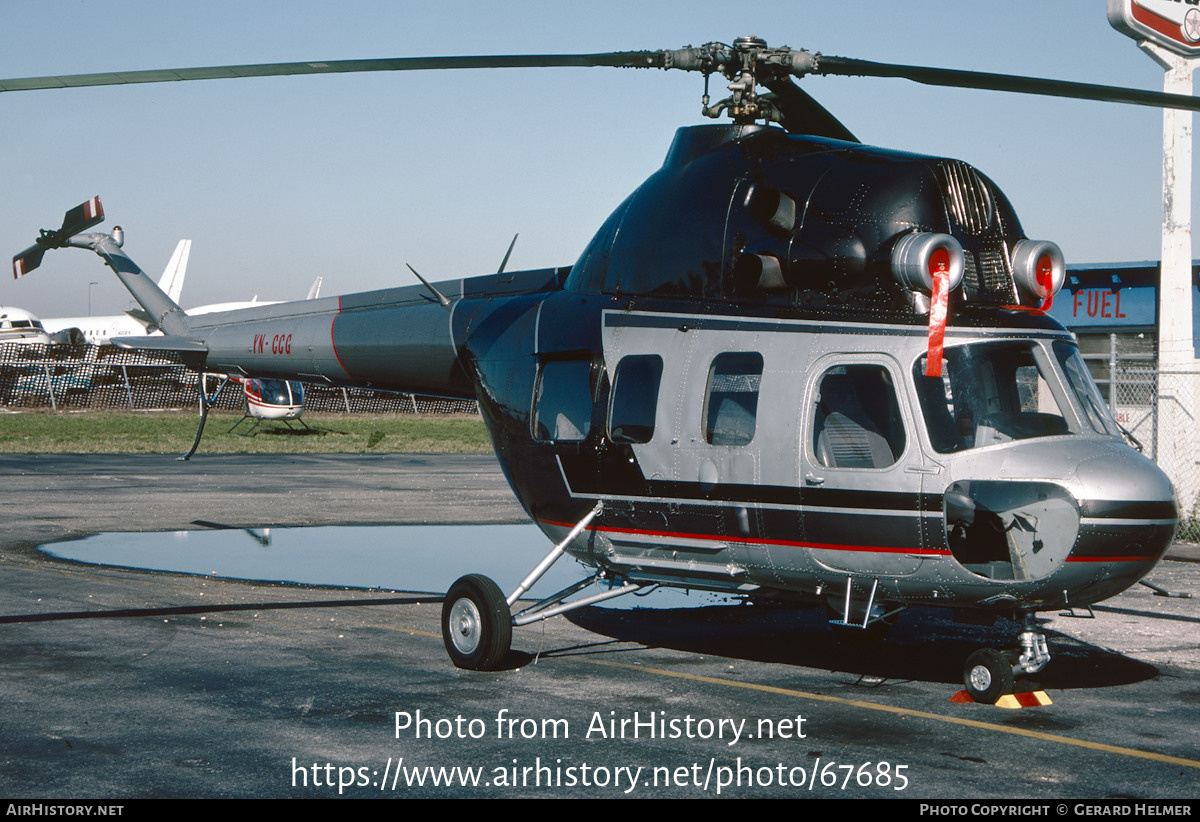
[850,67]
[620,59]
[690,59]
[804,115]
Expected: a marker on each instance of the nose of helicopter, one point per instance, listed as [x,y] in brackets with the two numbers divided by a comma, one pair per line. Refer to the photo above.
[1097,511]
[1128,511]
[1117,474]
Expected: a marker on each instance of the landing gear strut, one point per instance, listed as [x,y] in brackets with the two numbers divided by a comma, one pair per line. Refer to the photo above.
[477,619]
[990,674]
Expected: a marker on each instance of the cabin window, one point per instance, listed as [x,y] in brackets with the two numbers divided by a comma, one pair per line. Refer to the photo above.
[857,422]
[634,398]
[563,401]
[990,393]
[731,400]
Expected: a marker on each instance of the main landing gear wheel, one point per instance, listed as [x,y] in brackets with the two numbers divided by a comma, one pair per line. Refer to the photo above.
[476,624]
[988,675]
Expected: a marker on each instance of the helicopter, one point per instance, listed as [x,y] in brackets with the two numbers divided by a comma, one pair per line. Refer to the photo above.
[790,367]
[268,399]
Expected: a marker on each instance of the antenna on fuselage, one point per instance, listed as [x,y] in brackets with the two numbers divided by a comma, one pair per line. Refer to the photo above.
[439,296]
[507,254]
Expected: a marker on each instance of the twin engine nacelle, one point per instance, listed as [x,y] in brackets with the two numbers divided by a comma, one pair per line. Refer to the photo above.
[921,258]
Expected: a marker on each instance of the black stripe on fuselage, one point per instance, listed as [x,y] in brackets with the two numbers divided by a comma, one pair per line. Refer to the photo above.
[1128,509]
[581,482]
[692,322]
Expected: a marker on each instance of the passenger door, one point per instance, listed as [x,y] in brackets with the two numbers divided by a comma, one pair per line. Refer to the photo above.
[861,467]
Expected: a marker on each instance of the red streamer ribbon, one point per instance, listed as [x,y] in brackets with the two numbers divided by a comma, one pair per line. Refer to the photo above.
[939,306]
[1045,275]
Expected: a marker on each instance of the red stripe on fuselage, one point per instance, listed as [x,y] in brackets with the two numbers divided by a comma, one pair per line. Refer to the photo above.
[333,339]
[1113,559]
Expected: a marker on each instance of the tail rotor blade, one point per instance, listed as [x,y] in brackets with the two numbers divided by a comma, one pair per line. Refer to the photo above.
[27,260]
[82,217]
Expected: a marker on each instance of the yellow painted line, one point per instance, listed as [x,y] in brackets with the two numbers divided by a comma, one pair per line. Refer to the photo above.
[414,632]
[874,706]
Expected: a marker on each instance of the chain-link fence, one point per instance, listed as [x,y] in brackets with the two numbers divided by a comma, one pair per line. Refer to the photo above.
[106,377]
[1159,410]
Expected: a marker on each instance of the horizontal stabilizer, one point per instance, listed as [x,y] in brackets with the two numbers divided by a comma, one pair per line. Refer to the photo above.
[192,353]
[181,345]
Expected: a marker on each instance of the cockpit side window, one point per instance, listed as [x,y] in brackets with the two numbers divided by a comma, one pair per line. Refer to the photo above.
[857,422]
[634,398]
[990,393]
[562,409]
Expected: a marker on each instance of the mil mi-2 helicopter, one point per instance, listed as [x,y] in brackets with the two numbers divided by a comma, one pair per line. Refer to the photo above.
[789,367]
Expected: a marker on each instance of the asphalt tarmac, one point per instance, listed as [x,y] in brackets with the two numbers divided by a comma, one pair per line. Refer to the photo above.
[121,684]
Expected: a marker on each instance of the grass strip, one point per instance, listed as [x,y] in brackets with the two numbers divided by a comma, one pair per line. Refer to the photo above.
[171,432]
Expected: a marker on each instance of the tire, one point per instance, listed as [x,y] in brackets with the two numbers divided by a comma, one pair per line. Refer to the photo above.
[476,624]
[988,676]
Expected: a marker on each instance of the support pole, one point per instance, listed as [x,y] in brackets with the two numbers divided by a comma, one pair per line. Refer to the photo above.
[1175,449]
[1175,343]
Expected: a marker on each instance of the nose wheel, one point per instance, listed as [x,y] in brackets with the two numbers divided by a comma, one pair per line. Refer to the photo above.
[990,674]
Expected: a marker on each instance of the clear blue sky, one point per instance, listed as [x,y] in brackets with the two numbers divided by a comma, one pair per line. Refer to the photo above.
[349,177]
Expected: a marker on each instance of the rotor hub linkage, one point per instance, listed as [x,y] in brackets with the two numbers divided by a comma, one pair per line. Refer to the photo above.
[747,64]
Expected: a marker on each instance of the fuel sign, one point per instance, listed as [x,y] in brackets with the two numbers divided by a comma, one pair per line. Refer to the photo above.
[1173,24]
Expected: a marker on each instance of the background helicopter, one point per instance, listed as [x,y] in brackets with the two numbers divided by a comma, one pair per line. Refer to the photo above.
[807,264]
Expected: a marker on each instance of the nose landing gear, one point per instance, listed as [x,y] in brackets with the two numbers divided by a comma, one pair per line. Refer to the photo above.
[990,674]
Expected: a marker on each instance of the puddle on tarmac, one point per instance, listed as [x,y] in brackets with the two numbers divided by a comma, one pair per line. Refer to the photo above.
[416,558]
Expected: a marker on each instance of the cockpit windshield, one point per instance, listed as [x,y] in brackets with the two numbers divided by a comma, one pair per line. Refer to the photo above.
[280,392]
[999,391]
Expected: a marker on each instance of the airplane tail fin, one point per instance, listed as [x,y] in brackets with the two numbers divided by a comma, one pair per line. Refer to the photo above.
[314,290]
[173,275]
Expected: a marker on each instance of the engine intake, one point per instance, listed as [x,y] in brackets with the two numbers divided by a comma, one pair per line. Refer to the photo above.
[917,257]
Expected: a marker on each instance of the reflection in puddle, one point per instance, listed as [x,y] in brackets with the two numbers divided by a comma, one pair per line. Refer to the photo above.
[415,558]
